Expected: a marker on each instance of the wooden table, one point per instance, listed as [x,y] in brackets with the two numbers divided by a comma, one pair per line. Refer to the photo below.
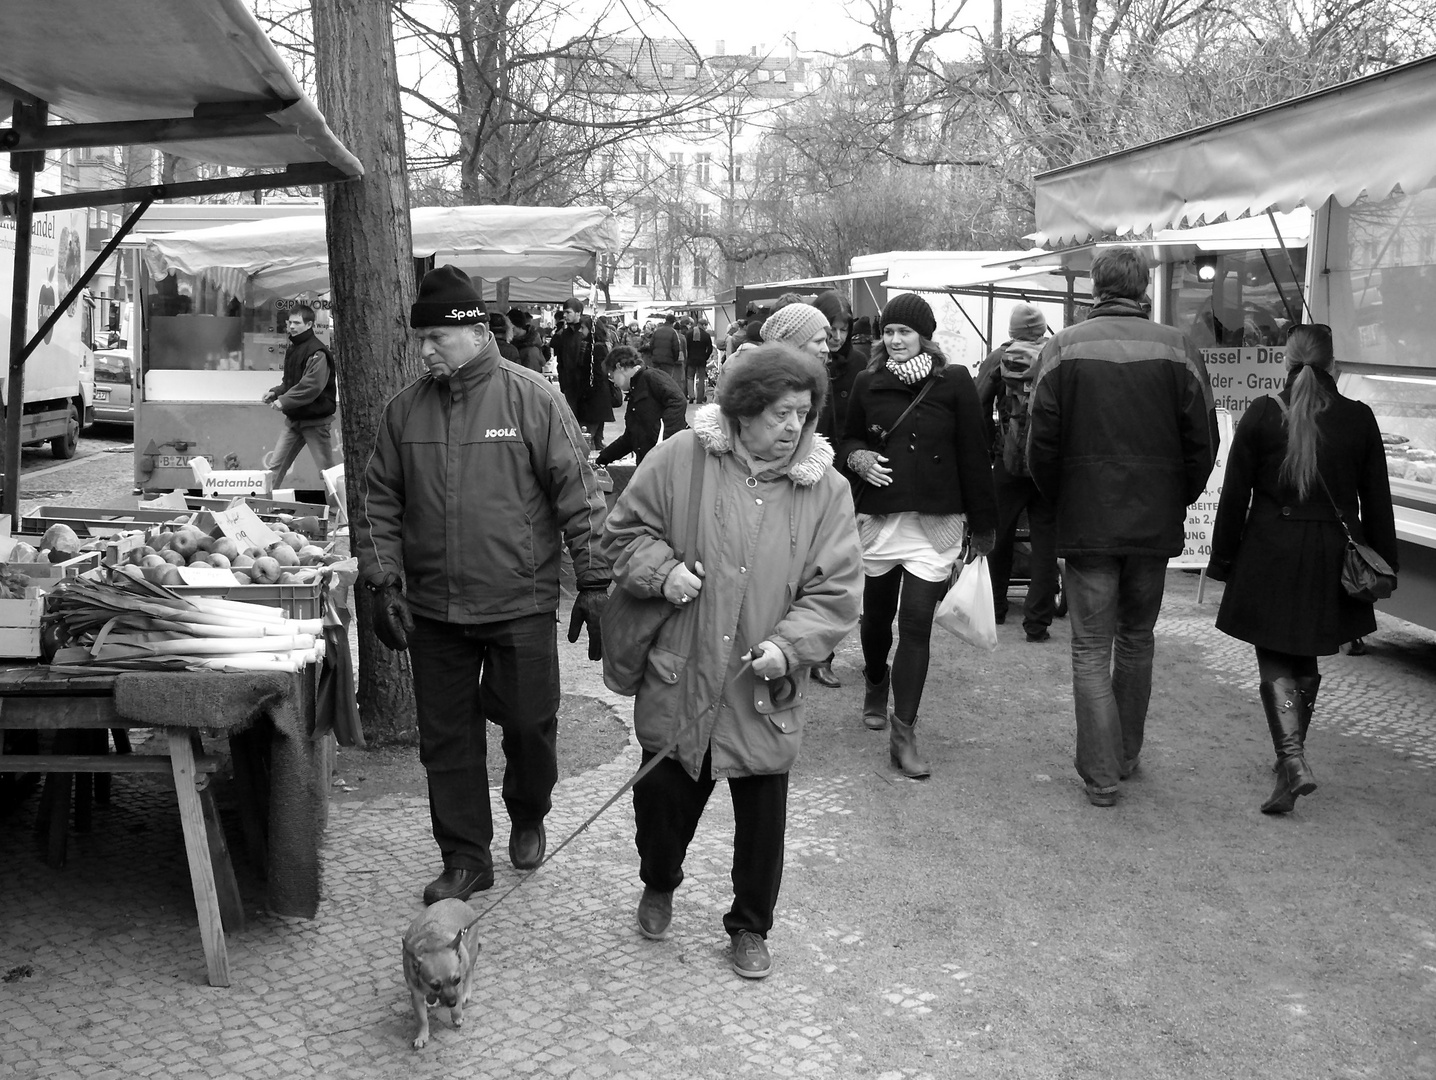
[31,697]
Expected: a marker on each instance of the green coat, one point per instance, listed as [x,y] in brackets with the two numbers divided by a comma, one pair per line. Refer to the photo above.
[782,563]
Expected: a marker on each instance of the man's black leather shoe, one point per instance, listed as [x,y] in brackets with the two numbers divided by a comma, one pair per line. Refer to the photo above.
[458,883]
[527,844]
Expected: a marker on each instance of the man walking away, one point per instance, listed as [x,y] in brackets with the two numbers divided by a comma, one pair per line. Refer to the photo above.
[1123,437]
[1005,380]
[479,475]
[308,396]
[667,354]
[699,345]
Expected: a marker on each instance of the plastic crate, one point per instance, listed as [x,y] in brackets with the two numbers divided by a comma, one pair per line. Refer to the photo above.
[296,601]
[90,521]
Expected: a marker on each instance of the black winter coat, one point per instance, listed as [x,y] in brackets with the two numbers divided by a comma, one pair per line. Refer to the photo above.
[1281,556]
[656,409]
[843,368]
[938,457]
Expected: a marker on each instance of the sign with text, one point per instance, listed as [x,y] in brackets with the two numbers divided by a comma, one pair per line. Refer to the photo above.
[241,524]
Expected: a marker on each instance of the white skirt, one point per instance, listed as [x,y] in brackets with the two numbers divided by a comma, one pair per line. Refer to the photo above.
[901,541]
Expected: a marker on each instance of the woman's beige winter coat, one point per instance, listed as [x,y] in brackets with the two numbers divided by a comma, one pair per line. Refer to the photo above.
[781,563]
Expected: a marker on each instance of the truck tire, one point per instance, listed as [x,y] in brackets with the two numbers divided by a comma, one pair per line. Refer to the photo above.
[64,446]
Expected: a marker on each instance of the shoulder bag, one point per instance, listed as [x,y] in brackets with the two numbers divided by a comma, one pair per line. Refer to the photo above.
[1365,575]
[630,624]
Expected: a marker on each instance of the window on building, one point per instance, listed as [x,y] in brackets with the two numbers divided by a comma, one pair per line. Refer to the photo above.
[605,266]
[675,269]
[735,168]
[780,76]
[640,270]
[764,74]
[702,168]
[675,165]
[870,78]
[666,70]
[643,165]
[690,71]
[703,217]
[700,272]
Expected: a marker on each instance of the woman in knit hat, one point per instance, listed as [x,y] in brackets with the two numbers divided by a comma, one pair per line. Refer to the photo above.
[800,325]
[925,488]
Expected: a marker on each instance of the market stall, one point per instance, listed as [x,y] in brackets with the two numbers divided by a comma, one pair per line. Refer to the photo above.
[1361,157]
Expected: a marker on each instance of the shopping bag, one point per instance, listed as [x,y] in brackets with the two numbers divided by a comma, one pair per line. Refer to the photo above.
[967,609]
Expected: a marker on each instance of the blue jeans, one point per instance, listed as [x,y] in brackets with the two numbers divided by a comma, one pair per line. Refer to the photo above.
[1113,603]
[294,438]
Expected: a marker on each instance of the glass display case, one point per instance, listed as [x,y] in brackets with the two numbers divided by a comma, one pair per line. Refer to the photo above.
[1236,298]
[1405,406]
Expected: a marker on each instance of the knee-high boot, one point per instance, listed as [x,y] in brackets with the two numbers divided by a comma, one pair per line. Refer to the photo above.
[903,748]
[875,701]
[1284,709]
[1307,686]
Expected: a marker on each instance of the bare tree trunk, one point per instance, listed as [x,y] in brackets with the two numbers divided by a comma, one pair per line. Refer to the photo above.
[371,272]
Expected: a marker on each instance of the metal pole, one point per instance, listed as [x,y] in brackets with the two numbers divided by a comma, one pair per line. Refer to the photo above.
[24,165]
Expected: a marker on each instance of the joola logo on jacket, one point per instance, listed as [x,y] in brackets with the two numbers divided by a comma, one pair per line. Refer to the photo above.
[501,433]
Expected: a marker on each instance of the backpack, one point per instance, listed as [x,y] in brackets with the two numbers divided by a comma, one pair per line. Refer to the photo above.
[1018,369]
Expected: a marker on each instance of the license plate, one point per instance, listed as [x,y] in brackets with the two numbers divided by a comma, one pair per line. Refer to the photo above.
[171,461]
[102,395]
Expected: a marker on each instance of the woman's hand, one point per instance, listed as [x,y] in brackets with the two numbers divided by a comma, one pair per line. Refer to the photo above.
[980,545]
[868,465]
[682,585]
[768,661]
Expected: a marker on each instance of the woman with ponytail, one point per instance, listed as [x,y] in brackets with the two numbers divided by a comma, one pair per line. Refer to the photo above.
[913,438]
[1278,545]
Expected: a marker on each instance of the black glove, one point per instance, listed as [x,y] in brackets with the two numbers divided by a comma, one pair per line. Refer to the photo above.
[588,608]
[392,619]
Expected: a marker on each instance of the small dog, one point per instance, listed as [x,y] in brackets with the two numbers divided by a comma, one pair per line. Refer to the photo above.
[439,959]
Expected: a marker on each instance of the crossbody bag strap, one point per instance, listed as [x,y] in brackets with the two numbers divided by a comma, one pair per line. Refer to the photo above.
[916,401]
[1340,517]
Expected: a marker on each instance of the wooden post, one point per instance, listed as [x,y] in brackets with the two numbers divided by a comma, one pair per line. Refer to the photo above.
[27,117]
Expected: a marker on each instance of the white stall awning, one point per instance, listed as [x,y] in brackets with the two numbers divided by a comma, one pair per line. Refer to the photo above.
[286,256]
[1366,136]
[144,60]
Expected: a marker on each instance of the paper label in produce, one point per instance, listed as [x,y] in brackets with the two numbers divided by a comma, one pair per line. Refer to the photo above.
[205,575]
[242,524]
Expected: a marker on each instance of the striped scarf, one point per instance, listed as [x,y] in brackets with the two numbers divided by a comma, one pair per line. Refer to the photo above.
[911,371]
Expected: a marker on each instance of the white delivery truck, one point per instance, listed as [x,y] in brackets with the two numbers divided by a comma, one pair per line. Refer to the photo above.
[60,373]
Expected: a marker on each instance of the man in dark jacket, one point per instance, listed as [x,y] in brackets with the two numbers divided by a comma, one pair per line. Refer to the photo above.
[308,396]
[1123,436]
[656,408]
[698,343]
[668,351]
[1004,381]
[478,477]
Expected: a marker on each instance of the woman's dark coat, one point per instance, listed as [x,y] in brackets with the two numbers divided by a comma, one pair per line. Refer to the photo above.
[938,457]
[530,355]
[1280,555]
[656,409]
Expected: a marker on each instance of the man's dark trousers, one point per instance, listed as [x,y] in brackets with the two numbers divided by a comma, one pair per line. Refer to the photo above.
[465,675]
[1015,494]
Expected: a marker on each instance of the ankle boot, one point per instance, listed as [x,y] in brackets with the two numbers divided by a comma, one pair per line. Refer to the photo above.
[875,701]
[1283,704]
[903,747]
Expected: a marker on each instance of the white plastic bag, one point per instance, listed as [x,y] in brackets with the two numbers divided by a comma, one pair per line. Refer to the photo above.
[967,609]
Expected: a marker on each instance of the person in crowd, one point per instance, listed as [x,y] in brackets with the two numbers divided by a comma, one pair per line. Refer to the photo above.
[579,348]
[1278,545]
[773,590]
[526,339]
[913,438]
[1122,438]
[668,351]
[478,471]
[752,336]
[307,396]
[843,362]
[699,347]
[1004,381]
[655,406]
[862,338]
[503,332]
[805,328]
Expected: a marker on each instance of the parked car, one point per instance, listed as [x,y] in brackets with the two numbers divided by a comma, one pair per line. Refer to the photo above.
[114,387]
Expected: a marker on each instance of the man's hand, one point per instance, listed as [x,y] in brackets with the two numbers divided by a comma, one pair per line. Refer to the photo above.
[588,608]
[682,585]
[269,396]
[768,661]
[392,618]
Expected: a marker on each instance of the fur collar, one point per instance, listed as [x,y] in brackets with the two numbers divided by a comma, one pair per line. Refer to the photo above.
[810,460]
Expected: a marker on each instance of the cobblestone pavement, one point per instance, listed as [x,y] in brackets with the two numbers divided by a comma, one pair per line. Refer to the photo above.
[109,982]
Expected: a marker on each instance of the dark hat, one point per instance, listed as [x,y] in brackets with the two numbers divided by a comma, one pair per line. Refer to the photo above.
[447,298]
[573,303]
[910,309]
[497,323]
[1027,322]
[520,318]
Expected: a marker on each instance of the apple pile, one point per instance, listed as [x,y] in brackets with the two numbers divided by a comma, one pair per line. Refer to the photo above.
[291,560]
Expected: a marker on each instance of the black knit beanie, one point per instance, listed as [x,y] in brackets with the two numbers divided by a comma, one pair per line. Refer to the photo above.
[447,298]
[910,309]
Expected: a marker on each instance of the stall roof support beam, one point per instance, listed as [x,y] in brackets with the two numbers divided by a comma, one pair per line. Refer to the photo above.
[27,117]
[305,175]
[219,121]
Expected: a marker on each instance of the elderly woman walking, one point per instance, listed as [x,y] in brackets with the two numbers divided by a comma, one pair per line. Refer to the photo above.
[1278,543]
[774,588]
[914,436]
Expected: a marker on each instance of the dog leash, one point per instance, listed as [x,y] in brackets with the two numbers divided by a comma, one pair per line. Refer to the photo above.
[642,771]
